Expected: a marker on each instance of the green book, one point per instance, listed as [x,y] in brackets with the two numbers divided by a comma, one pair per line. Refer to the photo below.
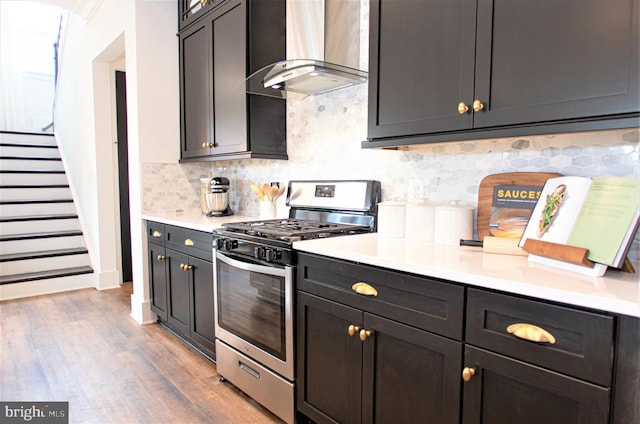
[600,215]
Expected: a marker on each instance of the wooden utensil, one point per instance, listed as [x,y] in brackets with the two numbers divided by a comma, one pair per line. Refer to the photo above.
[273,193]
[485,192]
[280,192]
[257,191]
[266,190]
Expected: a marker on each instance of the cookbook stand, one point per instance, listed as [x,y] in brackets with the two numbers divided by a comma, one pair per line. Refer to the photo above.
[570,258]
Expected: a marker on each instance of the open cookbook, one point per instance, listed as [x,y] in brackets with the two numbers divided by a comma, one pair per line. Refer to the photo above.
[600,215]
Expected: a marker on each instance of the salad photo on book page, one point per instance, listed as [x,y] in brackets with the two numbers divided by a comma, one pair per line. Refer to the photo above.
[600,215]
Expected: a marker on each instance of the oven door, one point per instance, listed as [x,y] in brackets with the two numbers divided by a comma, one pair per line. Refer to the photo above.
[254,310]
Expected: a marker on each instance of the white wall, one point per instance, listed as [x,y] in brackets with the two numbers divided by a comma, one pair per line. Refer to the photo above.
[144,31]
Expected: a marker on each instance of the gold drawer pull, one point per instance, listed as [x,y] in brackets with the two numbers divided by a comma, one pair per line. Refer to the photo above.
[186,267]
[468,373]
[353,329]
[156,234]
[188,242]
[478,106]
[531,332]
[161,257]
[364,334]
[364,289]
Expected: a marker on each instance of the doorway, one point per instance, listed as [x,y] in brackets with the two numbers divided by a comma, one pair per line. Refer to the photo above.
[123,174]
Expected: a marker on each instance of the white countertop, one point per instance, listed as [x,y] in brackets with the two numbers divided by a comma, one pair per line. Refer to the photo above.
[616,291]
[195,221]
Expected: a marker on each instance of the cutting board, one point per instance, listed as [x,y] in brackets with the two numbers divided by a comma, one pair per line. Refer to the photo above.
[485,192]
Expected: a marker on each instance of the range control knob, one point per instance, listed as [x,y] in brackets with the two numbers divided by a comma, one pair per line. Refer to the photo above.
[258,252]
[269,255]
[219,243]
[230,244]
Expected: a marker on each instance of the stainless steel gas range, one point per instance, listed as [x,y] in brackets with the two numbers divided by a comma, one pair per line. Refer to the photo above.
[254,283]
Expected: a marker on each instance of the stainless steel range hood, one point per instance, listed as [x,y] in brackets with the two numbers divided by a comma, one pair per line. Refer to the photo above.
[323,51]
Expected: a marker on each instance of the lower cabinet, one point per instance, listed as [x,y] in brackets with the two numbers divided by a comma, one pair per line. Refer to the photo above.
[379,356]
[181,283]
[358,367]
[506,391]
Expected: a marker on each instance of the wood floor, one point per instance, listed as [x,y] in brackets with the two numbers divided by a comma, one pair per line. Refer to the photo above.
[84,348]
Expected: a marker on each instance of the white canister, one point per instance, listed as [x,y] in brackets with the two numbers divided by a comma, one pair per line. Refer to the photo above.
[391,219]
[420,219]
[452,223]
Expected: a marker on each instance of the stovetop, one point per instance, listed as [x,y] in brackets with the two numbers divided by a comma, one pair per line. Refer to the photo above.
[293,229]
[286,231]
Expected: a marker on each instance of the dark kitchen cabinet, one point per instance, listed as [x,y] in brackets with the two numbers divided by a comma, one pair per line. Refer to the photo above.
[183,284]
[414,362]
[559,369]
[156,254]
[507,391]
[457,70]
[219,120]
[354,366]
[190,10]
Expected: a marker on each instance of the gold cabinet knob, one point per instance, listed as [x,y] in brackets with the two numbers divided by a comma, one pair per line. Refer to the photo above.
[462,108]
[156,234]
[364,289]
[468,373]
[207,144]
[188,242]
[161,257]
[531,332]
[353,329]
[477,105]
[364,334]
[186,267]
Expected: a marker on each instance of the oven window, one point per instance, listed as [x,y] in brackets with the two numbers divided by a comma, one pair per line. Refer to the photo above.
[251,305]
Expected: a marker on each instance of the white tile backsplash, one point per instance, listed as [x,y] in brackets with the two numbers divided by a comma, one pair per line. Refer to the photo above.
[324,135]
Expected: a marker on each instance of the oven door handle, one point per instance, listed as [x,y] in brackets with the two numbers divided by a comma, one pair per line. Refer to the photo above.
[279,272]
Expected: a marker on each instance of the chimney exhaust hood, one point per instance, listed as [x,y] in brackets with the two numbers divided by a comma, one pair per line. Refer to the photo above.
[323,42]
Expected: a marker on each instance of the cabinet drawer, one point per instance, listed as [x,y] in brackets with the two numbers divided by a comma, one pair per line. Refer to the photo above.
[424,303]
[191,242]
[156,233]
[583,344]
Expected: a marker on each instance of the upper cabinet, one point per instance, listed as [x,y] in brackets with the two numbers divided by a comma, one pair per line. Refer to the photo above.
[219,120]
[190,10]
[458,70]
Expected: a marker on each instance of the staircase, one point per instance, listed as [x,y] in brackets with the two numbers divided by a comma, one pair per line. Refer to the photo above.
[42,248]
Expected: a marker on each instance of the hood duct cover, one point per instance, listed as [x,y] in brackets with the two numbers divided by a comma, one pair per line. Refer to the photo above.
[323,39]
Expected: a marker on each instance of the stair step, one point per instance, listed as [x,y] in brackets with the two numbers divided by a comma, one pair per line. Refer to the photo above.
[42,254]
[26,209]
[37,217]
[41,275]
[32,236]
[31,202]
[7,149]
[39,226]
[30,146]
[29,164]
[30,186]
[34,195]
[28,139]
[22,157]
[43,263]
[33,245]
[31,171]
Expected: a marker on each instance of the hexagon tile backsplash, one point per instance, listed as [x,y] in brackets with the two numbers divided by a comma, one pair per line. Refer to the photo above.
[324,135]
